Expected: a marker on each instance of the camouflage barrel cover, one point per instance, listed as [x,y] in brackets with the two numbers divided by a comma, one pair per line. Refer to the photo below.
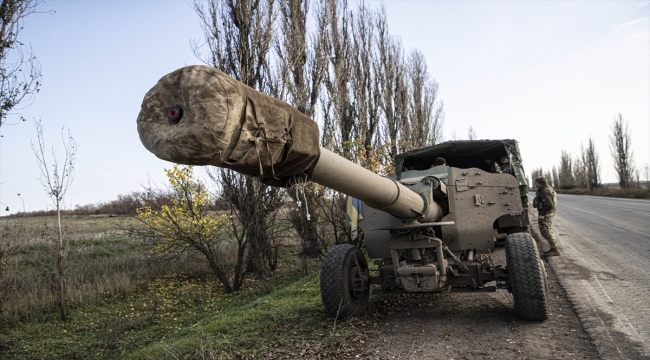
[227,124]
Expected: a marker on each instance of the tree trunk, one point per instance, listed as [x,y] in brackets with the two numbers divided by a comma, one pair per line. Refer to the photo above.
[257,238]
[256,231]
[62,264]
[218,272]
[305,228]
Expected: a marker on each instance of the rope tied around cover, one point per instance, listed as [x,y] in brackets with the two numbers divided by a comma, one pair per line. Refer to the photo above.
[261,130]
[260,135]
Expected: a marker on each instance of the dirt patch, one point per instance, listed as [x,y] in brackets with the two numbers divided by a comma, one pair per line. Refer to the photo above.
[472,325]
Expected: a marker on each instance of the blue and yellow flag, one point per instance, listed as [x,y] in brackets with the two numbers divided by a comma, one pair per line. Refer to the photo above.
[354,212]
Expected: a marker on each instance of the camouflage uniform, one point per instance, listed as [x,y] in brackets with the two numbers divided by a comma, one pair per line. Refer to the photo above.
[545,201]
[505,166]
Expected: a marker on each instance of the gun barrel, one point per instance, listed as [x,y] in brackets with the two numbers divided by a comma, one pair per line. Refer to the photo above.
[198,115]
[376,191]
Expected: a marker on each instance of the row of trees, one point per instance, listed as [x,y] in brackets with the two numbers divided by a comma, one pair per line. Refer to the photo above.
[583,171]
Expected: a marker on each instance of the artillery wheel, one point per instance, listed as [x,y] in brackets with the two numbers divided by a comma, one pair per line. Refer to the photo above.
[344,285]
[527,277]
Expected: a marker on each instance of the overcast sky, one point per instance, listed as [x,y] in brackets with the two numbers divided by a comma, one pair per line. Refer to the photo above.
[549,74]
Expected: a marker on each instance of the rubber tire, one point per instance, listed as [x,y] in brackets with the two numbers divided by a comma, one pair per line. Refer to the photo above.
[335,279]
[527,277]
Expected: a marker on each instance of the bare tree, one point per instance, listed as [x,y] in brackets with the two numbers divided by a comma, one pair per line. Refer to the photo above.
[646,174]
[620,145]
[365,86]
[350,103]
[302,58]
[554,177]
[580,169]
[592,164]
[471,134]
[238,39]
[426,113]
[565,175]
[364,103]
[339,125]
[302,63]
[20,71]
[56,177]
[393,92]
[238,36]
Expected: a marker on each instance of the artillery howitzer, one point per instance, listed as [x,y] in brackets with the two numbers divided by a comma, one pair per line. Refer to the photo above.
[431,229]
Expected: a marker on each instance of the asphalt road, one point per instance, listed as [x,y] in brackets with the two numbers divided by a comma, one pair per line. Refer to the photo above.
[605,270]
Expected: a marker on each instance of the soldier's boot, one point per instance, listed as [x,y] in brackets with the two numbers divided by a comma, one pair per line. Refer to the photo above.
[553,252]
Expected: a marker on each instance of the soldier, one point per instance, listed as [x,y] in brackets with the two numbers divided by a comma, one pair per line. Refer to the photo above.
[505,165]
[492,166]
[440,162]
[545,201]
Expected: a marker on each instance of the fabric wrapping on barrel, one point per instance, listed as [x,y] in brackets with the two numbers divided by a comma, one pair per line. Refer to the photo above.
[227,124]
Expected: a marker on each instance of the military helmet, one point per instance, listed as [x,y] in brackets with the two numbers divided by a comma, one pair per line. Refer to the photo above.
[440,161]
[542,180]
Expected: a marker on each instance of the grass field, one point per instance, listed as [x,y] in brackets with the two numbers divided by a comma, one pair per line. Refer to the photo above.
[122,304]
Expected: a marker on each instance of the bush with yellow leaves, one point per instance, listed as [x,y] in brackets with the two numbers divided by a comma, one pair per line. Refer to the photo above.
[178,221]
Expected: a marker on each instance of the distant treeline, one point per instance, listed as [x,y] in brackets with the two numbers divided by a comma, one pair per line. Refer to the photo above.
[583,171]
[123,205]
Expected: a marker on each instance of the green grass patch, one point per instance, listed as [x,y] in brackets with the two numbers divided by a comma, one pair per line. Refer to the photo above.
[287,323]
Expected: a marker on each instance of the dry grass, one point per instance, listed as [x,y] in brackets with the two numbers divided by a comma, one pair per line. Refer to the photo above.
[104,263]
[630,193]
